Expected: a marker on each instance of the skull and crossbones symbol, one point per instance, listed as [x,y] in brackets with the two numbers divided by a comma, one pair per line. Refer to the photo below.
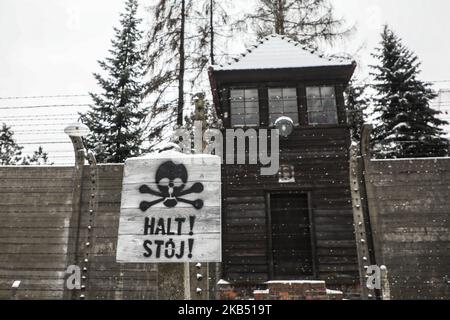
[171,181]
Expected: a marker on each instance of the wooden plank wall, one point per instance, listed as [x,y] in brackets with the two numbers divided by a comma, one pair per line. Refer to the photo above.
[409,207]
[35,211]
[35,215]
[321,160]
[107,279]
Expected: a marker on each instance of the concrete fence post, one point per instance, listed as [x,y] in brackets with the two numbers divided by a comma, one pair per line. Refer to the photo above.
[74,233]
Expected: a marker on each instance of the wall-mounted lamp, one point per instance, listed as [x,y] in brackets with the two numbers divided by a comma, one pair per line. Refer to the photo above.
[78,130]
[285,125]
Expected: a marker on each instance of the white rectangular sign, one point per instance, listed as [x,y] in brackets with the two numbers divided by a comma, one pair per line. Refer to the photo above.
[171,209]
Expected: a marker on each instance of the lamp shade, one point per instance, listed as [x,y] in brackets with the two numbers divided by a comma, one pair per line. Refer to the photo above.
[77,130]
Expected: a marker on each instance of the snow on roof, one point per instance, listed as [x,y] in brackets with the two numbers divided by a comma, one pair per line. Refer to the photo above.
[280,52]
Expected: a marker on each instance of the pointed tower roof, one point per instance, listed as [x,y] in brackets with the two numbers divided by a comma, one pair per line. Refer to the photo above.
[280,52]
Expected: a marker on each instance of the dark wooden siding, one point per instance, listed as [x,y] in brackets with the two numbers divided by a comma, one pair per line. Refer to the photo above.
[320,157]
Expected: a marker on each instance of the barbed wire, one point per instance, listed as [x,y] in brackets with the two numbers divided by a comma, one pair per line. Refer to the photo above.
[174,86]
[43,132]
[43,96]
[45,106]
[44,116]
[62,125]
[44,142]
[440,103]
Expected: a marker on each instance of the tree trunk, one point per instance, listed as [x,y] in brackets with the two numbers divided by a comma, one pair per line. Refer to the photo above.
[279,17]
[182,66]
[211,22]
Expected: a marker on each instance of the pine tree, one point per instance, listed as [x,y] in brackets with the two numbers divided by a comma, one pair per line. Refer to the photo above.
[307,21]
[10,151]
[116,119]
[39,157]
[406,126]
[180,47]
[356,103]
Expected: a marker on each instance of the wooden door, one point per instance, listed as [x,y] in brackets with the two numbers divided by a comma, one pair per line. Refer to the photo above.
[291,245]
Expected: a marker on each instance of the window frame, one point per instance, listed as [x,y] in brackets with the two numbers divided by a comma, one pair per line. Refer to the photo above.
[322,99]
[283,101]
[244,101]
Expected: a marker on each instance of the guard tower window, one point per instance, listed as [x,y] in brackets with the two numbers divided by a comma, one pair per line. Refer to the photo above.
[322,107]
[244,107]
[283,102]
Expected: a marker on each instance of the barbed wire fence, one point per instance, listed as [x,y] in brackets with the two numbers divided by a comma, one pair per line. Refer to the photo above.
[39,120]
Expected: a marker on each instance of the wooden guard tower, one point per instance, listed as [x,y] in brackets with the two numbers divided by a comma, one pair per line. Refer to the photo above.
[298,224]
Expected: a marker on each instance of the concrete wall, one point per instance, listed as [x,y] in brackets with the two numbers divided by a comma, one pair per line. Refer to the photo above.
[409,206]
[40,236]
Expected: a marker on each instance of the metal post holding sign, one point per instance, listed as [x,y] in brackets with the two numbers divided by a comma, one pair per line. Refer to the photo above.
[171,210]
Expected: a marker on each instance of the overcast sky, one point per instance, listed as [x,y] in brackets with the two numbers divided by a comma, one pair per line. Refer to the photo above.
[51,47]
